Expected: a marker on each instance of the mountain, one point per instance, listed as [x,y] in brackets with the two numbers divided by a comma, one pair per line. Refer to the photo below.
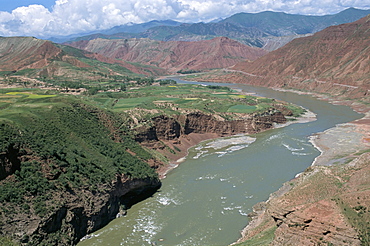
[42,58]
[251,29]
[142,27]
[282,24]
[335,60]
[127,28]
[173,55]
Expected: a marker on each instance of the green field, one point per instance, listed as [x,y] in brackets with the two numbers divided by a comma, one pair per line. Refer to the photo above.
[174,98]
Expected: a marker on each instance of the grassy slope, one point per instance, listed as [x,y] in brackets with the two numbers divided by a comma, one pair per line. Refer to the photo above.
[67,144]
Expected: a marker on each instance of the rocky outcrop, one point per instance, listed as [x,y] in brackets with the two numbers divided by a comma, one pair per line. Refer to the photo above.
[44,202]
[9,161]
[79,212]
[166,128]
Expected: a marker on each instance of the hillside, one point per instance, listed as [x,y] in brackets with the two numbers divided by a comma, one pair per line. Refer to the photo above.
[173,55]
[65,166]
[41,58]
[335,60]
[252,29]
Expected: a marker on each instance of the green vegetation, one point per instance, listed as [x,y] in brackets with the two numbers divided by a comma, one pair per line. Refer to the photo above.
[264,238]
[359,217]
[190,71]
[70,144]
[171,98]
[59,143]
[4,241]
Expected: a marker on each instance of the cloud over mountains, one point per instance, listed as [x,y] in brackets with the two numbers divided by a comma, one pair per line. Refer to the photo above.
[76,16]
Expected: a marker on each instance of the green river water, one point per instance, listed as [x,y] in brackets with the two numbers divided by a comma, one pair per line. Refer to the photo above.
[205,201]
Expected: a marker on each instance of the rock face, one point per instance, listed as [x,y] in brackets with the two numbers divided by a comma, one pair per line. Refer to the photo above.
[166,128]
[335,60]
[9,162]
[174,55]
[82,212]
[86,212]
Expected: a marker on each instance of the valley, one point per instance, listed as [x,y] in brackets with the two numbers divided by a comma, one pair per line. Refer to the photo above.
[92,126]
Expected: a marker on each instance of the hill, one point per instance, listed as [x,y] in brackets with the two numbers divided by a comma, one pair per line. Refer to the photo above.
[173,55]
[41,58]
[65,166]
[335,60]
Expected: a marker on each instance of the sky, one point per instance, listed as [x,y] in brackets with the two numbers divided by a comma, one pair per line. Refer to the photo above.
[52,18]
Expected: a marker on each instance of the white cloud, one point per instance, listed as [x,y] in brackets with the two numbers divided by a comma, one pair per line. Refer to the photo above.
[76,16]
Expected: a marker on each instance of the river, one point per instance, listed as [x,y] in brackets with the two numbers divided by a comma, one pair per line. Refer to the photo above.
[205,201]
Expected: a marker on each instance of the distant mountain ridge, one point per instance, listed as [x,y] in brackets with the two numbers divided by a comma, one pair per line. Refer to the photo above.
[127,28]
[282,24]
[219,52]
[251,29]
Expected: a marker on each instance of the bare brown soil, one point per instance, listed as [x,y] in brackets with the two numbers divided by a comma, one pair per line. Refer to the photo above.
[174,55]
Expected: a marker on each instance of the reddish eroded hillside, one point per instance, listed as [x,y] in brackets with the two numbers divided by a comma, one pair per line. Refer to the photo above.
[46,59]
[335,60]
[219,52]
[18,53]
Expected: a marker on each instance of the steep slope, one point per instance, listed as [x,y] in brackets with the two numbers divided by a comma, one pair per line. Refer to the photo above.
[35,57]
[335,60]
[68,168]
[175,55]
[18,53]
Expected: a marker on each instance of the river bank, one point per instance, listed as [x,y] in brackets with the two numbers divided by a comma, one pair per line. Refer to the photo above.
[185,142]
[312,208]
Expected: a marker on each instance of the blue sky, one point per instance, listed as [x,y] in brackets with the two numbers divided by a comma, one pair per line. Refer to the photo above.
[9,5]
[50,18]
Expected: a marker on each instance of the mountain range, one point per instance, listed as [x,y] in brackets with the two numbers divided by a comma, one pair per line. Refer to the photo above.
[336,55]
[173,56]
[256,30]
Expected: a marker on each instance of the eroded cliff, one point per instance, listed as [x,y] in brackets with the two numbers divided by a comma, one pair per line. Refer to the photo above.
[67,172]
[172,135]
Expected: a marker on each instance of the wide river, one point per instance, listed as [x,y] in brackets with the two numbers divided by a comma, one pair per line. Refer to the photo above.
[205,201]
